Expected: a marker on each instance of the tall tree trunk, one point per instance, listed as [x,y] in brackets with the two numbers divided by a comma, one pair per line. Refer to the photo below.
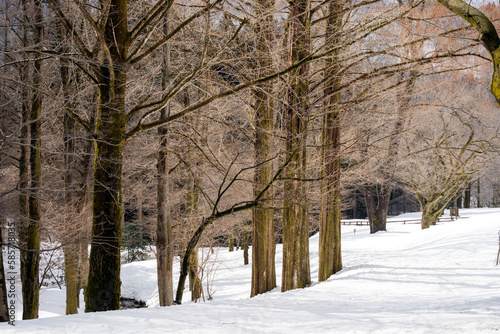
[85,198]
[296,267]
[71,230]
[31,285]
[263,244]
[164,242]
[23,168]
[330,257]
[103,286]
[189,261]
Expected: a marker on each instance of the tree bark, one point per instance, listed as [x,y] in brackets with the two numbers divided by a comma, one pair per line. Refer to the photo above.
[194,279]
[246,236]
[330,256]
[377,198]
[431,213]
[193,201]
[71,230]
[296,267]
[71,279]
[85,198]
[263,244]
[24,163]
[164,232]
[31,287]
[103,286]
[164,242]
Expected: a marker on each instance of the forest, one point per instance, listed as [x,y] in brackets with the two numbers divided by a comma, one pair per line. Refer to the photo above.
[178,126]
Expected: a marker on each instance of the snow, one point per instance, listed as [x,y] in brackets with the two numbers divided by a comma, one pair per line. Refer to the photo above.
[440,280]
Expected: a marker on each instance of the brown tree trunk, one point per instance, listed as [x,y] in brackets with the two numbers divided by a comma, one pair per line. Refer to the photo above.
[103,286]
[431,214]
[193,201]
[31,287]
[377,198]
[71,230]
[164,242]
[71,278]
[330,257]
[194,279]
[85,198]
[434,205]
[263,244]
[246,236]
[296,268]
[24,165]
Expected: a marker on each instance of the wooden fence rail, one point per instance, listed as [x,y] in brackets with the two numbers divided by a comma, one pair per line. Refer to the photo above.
[365,222]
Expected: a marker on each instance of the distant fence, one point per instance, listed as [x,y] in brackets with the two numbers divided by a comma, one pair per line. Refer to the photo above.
[365,222]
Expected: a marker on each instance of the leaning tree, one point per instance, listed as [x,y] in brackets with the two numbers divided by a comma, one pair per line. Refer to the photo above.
[488,36]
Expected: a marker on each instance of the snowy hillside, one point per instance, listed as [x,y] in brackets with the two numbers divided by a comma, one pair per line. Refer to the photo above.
[407,280]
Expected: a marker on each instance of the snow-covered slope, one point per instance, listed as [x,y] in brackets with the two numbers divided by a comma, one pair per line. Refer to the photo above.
[406,280]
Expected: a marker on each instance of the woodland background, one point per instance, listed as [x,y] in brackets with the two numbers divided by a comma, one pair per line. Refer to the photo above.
[186,124]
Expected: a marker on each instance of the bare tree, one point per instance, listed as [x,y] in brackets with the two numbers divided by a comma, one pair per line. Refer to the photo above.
[445,157]
[263,245]
[296,268]
[31,283]
[330,256]
[164,242]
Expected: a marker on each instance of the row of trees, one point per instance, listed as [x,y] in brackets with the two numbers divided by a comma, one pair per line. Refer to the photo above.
[178,115]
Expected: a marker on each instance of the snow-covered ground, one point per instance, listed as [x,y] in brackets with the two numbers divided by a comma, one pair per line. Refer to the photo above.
[406,280]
